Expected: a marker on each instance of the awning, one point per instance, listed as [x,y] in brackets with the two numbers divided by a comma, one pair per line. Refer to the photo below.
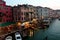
[6,24]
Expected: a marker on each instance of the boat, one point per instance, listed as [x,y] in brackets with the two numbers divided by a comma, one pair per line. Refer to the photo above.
[46,23]
[59,18]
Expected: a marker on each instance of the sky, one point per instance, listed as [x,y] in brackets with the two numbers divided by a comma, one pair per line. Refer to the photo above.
[54,4]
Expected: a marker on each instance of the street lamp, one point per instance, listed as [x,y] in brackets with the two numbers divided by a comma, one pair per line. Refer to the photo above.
[19,24]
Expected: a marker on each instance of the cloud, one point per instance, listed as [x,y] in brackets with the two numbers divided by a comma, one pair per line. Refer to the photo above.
[55,4]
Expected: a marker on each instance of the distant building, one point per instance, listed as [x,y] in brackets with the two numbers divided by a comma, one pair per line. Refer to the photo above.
[23,13]
[58,12]
[42,12]
[5,12]
[39,11]
[45,12]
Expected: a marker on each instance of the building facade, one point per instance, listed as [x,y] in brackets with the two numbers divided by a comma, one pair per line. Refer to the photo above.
[58,12]
[39,11]
[43,12]
[23,13]
[5,12]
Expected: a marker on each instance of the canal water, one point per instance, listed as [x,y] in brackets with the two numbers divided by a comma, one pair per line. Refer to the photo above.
[52,33]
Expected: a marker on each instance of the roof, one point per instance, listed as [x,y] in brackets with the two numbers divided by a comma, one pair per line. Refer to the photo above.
[6,24]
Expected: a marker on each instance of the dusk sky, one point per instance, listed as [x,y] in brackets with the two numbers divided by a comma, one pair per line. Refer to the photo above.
[54,4]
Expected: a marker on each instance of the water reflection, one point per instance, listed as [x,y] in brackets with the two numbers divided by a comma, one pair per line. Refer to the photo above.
[53,31]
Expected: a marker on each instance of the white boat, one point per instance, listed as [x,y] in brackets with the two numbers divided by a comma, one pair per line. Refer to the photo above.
[8,38]
[18,36]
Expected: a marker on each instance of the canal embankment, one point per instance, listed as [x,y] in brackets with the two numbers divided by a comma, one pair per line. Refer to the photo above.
[51,33]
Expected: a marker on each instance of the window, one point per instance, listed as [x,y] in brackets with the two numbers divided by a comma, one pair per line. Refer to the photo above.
[45,9]
[7,8]
[24,8]
[41,10]
[27,14]
[7,20]
[6,11]
[0,7]
[37,10]
[34,10]
[10,12]
[1,14]
[22,18]
[9,16]
[0,19]
[18,18]
[18,13]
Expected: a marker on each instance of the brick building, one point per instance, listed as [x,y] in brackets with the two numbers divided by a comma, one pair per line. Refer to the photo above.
[5,12]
